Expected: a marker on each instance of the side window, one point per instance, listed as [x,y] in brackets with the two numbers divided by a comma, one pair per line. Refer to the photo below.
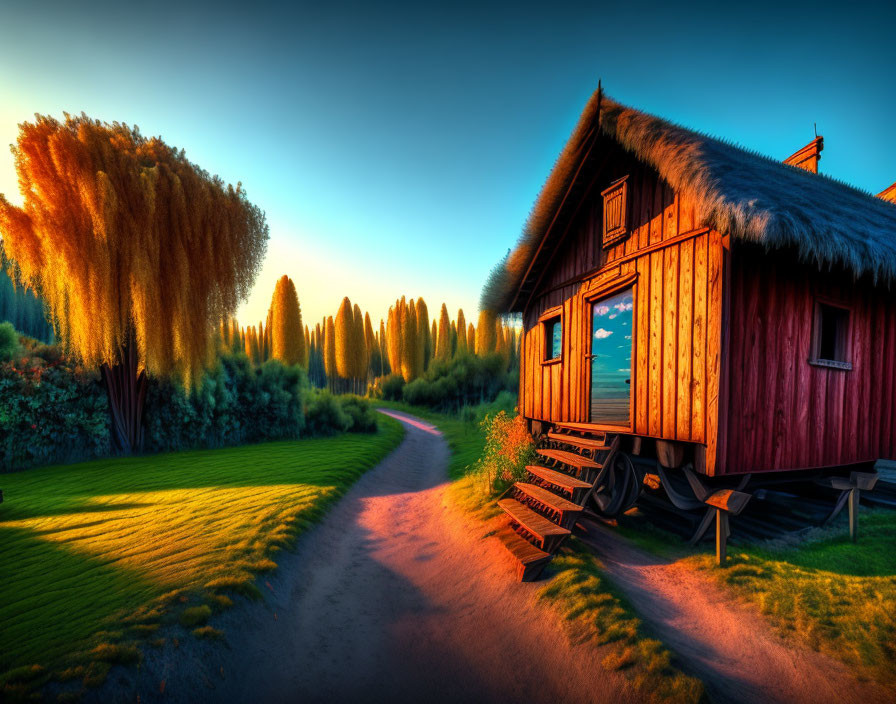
[615,212]
[553,338]
[830,336]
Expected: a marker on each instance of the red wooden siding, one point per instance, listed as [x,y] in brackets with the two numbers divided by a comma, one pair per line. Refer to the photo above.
[782,412]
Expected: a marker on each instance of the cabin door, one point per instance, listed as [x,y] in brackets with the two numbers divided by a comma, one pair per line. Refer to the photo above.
[611,359]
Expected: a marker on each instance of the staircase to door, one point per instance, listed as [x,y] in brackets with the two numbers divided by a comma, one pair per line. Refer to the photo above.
[543,510]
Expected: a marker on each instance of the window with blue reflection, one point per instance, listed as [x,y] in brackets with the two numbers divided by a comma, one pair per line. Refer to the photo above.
[553,338]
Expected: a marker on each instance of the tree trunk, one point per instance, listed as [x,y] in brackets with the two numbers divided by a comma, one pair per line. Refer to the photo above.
[126,390]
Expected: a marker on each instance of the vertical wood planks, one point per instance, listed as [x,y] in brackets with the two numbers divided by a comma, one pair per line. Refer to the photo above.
[654,343]
[698,381]
[670,340]
[685,338]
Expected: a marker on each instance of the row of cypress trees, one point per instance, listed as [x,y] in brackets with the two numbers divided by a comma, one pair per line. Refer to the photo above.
[26,312]
[345,352]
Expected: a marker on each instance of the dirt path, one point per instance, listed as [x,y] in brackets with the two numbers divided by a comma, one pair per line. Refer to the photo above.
[390,598]
[727,645]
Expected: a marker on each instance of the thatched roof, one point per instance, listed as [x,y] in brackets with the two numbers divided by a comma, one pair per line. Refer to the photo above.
[739,192]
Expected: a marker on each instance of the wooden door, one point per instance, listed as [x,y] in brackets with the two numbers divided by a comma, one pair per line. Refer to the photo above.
[611,359]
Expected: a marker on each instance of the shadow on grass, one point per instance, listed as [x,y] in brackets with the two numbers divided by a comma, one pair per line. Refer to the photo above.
[59,597]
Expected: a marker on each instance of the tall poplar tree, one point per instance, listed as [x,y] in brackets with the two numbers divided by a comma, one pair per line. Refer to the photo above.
[135,250]
[394,344]
[345,327]
[461,330]
[423,333]
[307,346]
[443,345]
[385,368]
[485,333]
[409,341]
[330,353]
[359,351]
[373,348]
[286,330]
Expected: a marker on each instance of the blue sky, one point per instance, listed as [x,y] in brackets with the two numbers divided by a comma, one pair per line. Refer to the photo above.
[398,149]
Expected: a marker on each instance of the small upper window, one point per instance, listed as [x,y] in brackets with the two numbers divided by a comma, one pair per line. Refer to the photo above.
[830,337]
[615,212]
[553,338]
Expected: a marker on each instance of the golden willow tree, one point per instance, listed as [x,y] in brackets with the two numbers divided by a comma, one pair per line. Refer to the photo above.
[137,252]
[286,333]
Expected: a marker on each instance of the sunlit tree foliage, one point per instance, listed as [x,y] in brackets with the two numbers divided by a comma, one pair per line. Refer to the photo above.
[461,330]
[485,333]
[285,328]
[137,252]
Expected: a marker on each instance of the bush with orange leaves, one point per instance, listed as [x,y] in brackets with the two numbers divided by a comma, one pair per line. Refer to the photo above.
[508,449]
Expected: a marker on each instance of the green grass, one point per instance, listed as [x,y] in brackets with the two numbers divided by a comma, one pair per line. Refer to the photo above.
[591,608]
[832,595]
[96,555]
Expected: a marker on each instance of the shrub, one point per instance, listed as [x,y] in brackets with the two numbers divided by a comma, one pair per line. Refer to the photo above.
[236,403]
[466,379]
[508,449]
[324,414]
[361,415]
[9,342]
[389,387]
[50,413]
[54,412]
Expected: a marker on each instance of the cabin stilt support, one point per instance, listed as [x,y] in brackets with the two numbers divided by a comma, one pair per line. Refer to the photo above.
[853,513]
[722,533]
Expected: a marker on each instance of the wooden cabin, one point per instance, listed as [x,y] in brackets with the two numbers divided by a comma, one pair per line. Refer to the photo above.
[708,306]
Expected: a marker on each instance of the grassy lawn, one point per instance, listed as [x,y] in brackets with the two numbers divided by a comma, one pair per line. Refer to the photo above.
[835,596]
[96,556]
[592,610]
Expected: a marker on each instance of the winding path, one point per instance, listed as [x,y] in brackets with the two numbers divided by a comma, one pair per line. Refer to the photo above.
[394,597]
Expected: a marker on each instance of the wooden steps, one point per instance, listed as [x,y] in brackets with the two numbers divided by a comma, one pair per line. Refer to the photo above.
[585,469]
[576,488]
[543,511]
[588,444]
[530,559]
[579,428]
[545,532]
[565,510]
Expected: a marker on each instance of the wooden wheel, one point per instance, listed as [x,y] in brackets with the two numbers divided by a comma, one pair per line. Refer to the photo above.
[620,488]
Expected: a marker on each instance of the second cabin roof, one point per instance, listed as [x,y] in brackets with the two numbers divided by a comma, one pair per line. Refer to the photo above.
[736,191]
